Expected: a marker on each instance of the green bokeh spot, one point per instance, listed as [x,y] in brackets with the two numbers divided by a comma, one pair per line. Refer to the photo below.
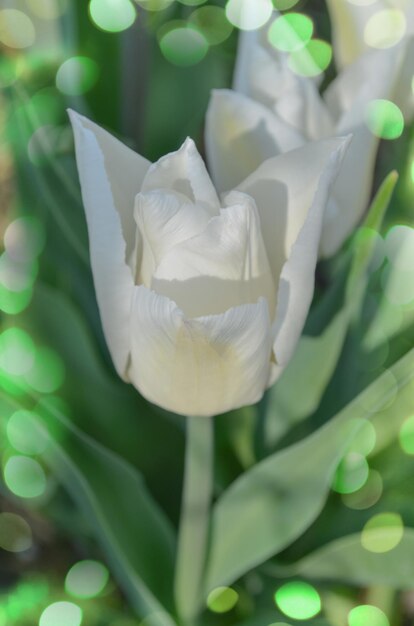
[384,119]
[184,46]
[77,75]
[61,614]
[367,615]
[25,434]
[290,32]
[212,23]
[312,59]
[298,600]
[86,579]
[407,435]
[24,477]
[351,474]
[112,16]
[13,302]
[222,599]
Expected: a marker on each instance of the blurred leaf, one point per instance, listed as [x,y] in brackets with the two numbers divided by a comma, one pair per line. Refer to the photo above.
[348,561]
[272,504]
[107,409]
[312,364]
[133,531]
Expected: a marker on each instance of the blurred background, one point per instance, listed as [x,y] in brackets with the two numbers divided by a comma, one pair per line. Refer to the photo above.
[144,70]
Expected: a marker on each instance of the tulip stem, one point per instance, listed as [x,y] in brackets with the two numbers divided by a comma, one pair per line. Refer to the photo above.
[194,521]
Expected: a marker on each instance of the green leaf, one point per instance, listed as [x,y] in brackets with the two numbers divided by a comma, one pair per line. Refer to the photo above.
[138,540]
[348,561]
[272,504]
[364,248]
[312,364]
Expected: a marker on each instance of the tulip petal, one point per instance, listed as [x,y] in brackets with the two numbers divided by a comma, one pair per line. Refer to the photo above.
[291,193]
[198,367]
[348,26]
[164,219]
[240,135]
[223,267]
[125,171]
[184,171]
[112,276]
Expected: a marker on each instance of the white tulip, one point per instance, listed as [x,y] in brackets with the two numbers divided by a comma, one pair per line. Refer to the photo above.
[273,110]
[202,302]
[360,25]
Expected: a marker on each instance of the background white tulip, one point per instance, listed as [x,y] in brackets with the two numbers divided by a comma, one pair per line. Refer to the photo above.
[202,302]
[358,26]
[273,110]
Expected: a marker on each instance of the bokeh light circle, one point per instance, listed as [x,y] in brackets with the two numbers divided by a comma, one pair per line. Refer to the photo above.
[298,600]
[16,351]
[399,247]
[24,477]
[290,32]
[112,16]
[47,9]
[184,46]
[77,75]
[213,23]
[367,615]
[406,435]
[86,579]
[351,474]
[367,495]
[16,29]
[384,119]
[47,372]
[15,533]
[385,28]
[312,59]
[61,614]
[222,599]
[24,239]
[249,14]
[25,433]
[382,533]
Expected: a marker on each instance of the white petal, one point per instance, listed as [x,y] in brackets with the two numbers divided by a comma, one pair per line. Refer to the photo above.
[125,170]
[348,25]
[223,267]
[112,276]
[240,135]
[184,171]
[198,367]
[164,219]
[291,193]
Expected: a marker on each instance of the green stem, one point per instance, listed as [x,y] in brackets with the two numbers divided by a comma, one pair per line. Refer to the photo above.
[194,522]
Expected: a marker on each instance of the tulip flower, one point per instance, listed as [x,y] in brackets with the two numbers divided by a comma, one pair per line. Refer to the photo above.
[273,110]
[361,26]
[202,300]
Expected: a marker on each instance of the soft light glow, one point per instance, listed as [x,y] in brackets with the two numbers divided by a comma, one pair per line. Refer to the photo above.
[16,29]
[154,5]
[61,614]
[15,533]
[399,247]
[13,302]
[24,477]
[290,32]
[86,579]
[24,239]
[284,5]
[213,23]
[298,600]
[368,495]
[222,599]
[365,439]
[312,59]
[384,119]
[382,533]
[367,615]
[184,46]
[385,28]
[47,9]
[352,473]
[398,285]
[16,352]
[249,14]
[112,16]
[406,436]
[25,434]
[77,75]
